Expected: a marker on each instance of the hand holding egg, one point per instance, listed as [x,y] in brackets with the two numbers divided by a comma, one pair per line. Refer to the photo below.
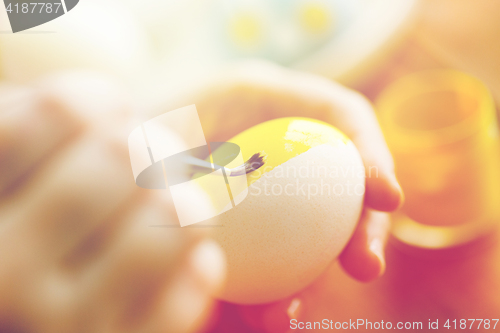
[258,92]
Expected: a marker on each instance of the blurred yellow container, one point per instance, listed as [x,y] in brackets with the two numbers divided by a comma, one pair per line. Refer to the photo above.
[441,128]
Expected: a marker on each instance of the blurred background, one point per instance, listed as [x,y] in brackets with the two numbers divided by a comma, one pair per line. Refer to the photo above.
[431,68]
[364,44]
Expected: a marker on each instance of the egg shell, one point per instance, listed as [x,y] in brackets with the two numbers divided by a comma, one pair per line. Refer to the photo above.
[295,220]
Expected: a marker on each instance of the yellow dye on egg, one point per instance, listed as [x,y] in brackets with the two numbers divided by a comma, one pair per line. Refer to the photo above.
[315,18]
[282,139]
[279,141]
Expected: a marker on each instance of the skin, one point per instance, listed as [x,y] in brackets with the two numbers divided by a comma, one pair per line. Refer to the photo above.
[76,252]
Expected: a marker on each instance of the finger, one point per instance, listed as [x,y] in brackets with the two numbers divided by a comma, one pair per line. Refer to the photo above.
[132,275]
[36,121]
[131,270]
[29,130]
[363,258]
[274,317]
[354,116]
[187,302]
[75,192]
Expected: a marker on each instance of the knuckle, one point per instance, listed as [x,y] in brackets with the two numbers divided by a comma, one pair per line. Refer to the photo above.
[84,96]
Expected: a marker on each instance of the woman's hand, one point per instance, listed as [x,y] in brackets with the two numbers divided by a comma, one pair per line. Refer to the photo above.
[77,250]
[255,92]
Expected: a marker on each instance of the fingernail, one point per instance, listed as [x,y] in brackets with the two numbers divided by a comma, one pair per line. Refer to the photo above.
[184,304]
[209,264]
[402,200]
[397,187]
[377,248]
[294,308]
